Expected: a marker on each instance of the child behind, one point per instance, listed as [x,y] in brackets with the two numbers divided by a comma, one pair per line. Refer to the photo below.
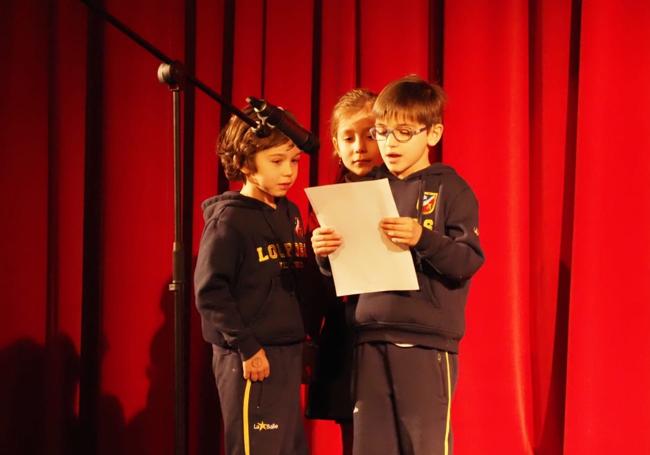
[250,251]
[407,342]
[357,154]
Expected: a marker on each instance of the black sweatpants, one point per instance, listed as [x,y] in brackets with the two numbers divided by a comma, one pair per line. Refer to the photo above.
[402,400]
[261,418]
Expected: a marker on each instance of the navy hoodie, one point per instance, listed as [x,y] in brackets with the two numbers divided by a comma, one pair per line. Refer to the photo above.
[245,277]
[446,256]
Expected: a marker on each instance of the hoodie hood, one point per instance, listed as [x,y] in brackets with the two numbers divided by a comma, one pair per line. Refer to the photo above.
[431,170]
[213,206]
[418,189]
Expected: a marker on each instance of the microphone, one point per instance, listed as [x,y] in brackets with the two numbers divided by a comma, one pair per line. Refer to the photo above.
[276,117]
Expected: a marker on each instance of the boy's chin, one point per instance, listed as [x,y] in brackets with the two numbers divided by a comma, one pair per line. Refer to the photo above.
[280,192]
[393,168]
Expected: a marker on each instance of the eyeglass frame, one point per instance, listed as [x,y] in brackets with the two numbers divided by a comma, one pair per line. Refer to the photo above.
[389,131]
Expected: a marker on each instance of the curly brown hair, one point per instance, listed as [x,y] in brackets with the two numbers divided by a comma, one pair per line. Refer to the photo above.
[238,145]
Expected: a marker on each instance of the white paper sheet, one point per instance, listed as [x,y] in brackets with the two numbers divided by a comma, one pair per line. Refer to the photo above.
[367,261]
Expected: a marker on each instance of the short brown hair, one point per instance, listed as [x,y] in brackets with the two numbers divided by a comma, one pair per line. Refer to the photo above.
[238,145]
[411,98]
[350,102]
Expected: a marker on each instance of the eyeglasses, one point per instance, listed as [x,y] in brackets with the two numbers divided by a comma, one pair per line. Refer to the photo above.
[400,134]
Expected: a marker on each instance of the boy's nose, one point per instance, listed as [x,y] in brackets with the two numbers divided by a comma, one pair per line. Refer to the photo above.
[391,141]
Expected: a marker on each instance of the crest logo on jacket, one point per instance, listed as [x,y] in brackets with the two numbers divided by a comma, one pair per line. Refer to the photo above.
[429,200]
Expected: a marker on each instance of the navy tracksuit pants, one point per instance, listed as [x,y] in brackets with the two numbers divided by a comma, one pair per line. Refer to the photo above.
[263,417]
[402,399]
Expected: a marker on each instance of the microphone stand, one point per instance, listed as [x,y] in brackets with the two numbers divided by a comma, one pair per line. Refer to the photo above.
[172,73]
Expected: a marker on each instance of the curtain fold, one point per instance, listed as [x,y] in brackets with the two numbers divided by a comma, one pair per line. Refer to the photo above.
[487,141]
[607,376]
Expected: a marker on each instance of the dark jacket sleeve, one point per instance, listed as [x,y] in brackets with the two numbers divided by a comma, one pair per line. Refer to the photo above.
[455,253]
[215,273]
[324,265]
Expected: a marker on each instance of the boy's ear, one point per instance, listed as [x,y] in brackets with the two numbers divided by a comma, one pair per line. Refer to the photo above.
[243,168]
[434,134]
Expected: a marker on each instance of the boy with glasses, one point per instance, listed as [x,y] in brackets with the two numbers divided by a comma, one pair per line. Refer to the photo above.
[407,342]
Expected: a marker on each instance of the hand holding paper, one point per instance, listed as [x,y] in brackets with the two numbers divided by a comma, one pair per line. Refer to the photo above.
[404,230]
[325,241]
[362,257]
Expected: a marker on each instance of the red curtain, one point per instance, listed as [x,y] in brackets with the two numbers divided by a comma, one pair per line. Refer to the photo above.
[547,119]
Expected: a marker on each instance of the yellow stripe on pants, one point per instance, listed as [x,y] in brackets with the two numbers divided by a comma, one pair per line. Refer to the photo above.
[247,438]
[448,428]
